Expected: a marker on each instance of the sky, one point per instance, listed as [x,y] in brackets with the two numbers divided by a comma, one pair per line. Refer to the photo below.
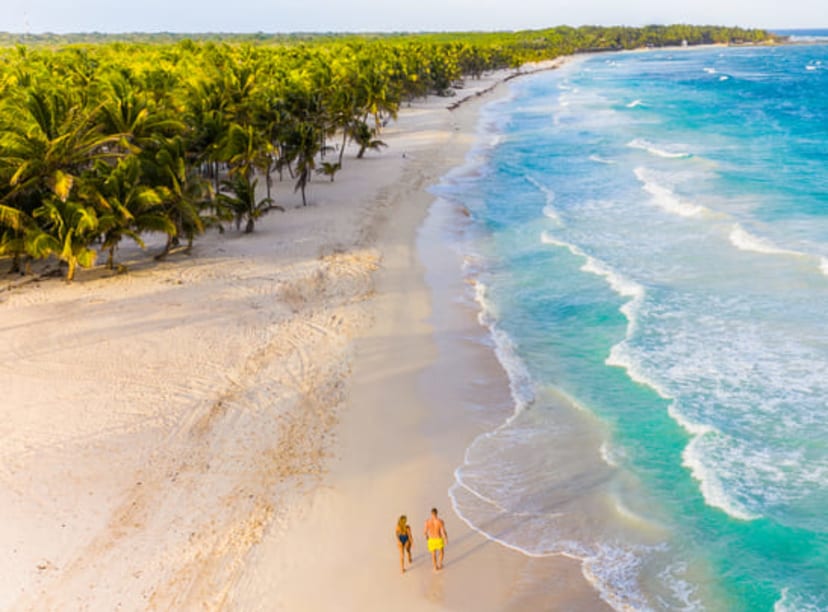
[61,16]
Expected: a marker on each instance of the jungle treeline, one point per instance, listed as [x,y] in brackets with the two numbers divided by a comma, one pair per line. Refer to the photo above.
[105,138]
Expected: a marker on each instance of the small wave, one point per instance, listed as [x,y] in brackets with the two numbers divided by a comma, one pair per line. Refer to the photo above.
[520,381]
[608,454]
[612,570]
[548,209]
[646,145]
[551,213]
[628,515]
[724,77]
[620,357]
[710,70]
[745,241]
[547,238]
[601,160]
[618,283]
[635,103]
[710,484]
[682,590]
[790,602]
[495,141]
[666,199]
[712,488]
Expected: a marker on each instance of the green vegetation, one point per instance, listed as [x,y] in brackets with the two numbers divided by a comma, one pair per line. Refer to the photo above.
[104,138]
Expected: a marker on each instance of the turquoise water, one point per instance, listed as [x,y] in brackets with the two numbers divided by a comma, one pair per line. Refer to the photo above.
[649,241]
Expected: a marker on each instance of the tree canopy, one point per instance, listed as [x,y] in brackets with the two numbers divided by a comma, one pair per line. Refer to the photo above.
[106,138]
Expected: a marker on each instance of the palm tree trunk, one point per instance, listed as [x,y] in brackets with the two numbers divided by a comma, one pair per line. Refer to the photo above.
[344,144]
[303,183]
[167,248]
[70,272]
[15,266]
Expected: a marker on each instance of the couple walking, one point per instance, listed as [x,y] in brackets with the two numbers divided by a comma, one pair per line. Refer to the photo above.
[436,539]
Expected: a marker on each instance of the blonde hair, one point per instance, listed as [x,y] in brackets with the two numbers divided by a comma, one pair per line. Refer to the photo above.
[402,523]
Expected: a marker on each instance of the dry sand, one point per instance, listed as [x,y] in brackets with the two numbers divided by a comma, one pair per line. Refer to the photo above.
[240,427]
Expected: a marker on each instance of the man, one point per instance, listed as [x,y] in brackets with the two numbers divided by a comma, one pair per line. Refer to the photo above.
[435,533]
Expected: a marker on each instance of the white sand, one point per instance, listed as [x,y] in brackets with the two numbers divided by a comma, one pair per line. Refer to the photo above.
[239,428]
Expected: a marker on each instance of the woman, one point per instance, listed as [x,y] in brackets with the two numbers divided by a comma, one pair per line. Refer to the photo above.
[404,540]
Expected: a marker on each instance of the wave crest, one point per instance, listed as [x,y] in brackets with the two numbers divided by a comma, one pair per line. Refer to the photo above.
[666,199]
[657,150]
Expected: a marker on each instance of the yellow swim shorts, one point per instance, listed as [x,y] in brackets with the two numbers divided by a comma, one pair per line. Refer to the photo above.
[435,544]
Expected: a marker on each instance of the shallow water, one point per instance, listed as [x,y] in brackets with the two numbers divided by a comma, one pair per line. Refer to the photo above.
[649,245]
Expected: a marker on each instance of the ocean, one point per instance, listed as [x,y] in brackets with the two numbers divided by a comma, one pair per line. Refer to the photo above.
[647,240]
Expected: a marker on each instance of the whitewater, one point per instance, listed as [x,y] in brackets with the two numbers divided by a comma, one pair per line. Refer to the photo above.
[650,238]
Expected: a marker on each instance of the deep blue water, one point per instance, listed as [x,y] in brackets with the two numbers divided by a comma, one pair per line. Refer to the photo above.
[649,239]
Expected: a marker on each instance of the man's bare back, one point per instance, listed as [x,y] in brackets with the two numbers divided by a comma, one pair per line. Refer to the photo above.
[435,528]
[435,532]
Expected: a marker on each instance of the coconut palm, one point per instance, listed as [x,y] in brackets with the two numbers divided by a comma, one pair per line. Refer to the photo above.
[363,135]
[186,196]
[240,198]
[129,208]
[69,228]
[49,138]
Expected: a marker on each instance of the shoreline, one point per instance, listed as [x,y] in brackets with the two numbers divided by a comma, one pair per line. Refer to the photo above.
[292,400]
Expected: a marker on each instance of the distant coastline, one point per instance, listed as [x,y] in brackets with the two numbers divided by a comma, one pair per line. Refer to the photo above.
[803,36]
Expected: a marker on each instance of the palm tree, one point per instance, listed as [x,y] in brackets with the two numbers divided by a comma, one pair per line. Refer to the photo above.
[363,135]
[185,194]
[129,110]
[243,202]
[303,143]
[13,225]
[130,208]
[69,228]
[49,138]
[329,169]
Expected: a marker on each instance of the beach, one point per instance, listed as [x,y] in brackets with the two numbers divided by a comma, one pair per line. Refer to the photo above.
[240,427]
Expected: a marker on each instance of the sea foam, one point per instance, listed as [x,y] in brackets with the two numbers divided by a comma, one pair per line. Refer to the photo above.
[745,241]
[520,381]
[657,150]
[612,569]
[710,483]
[549,208]
[666,199]
[792,602]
